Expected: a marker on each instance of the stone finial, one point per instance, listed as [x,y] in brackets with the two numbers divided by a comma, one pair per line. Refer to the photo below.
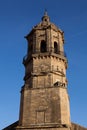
[45,17]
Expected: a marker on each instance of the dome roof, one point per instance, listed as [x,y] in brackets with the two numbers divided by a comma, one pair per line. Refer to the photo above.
[45,23]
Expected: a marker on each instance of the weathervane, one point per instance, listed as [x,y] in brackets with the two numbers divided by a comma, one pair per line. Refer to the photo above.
[45,13]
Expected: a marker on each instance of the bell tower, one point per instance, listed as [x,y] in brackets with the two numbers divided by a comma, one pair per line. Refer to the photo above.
[44,98]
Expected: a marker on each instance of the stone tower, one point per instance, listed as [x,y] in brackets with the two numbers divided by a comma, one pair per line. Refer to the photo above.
[44,98]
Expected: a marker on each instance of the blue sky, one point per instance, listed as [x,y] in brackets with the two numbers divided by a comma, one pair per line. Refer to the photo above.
[17,17]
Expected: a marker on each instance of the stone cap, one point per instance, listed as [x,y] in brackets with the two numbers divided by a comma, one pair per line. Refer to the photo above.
[44,24]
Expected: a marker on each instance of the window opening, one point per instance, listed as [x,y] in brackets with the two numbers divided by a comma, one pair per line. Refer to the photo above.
[55,47]
[43,47]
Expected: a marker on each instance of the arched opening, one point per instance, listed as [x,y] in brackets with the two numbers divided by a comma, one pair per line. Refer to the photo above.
[55,47]
[43,47]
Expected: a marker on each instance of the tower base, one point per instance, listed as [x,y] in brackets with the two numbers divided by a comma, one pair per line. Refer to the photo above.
[45,127]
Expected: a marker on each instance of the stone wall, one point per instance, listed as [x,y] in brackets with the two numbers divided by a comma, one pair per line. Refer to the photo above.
[77,127]
[45,105]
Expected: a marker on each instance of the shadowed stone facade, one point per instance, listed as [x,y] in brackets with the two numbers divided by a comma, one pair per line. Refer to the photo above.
[44,98]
